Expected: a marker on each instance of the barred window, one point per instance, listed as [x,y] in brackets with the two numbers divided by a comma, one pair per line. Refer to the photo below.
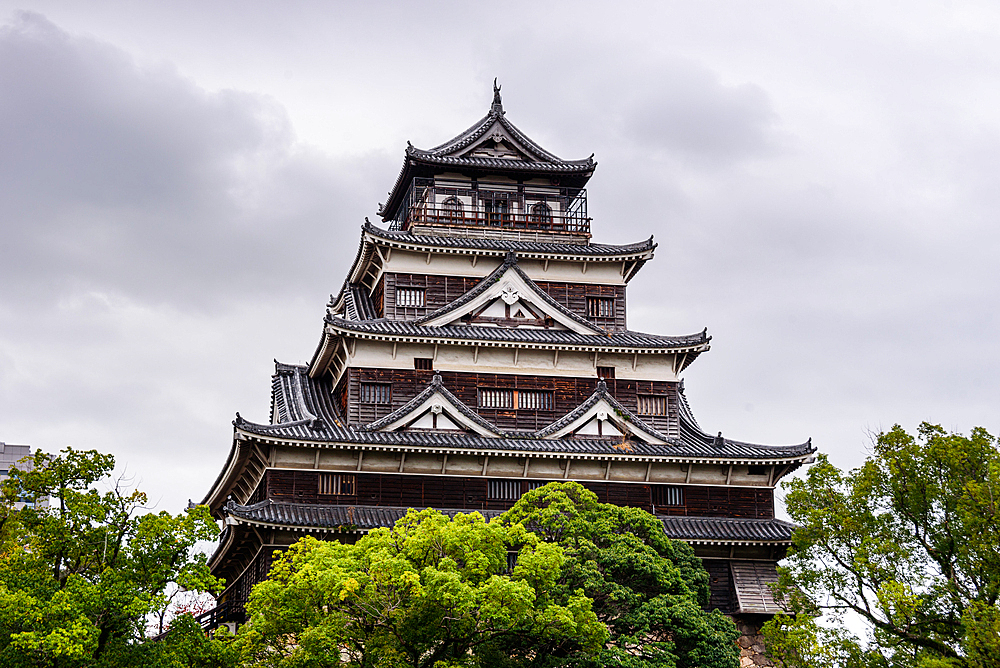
[409,296]
[652,404]
[606,372]
[668,495]
[376,393]
[336,483]
[423,363]
[494,398]
[600,307]
[528,400]
[541,213]
[534,400]
[535,484]
[504,490]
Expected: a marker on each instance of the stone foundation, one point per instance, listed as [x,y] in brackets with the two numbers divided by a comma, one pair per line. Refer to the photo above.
[751,644]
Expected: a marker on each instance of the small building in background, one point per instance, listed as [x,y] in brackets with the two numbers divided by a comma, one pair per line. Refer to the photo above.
[20,456]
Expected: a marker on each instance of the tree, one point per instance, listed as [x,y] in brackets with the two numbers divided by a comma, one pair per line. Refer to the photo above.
[430,592]
[78,579]
[648,590]
[909,543]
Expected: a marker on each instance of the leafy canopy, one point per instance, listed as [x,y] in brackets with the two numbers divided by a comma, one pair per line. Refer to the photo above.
[430,592]
[910,543]
[79,578]
[647,589]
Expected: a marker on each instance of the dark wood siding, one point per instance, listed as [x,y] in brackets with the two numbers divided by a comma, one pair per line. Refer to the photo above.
[387,489]
[440,291]
[722,596]
[568,393]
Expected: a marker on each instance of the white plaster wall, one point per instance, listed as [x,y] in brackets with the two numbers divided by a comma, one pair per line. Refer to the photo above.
[460,358]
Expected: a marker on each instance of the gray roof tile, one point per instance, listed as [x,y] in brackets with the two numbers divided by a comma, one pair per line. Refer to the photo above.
[723,529]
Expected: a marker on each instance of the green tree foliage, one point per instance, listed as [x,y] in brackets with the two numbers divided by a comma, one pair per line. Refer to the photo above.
[430,592]
[79,578]
[647,589]
[910,543]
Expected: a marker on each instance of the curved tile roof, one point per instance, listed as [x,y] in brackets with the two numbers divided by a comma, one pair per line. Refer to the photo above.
[309,515]
[312,417]
[626,340]
[359,517]
[503,246]
[728,529]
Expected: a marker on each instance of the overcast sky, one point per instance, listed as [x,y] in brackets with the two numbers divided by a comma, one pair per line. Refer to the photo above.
[182,185]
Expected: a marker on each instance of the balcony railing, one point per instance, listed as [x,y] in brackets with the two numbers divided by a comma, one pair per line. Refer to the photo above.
[548,210]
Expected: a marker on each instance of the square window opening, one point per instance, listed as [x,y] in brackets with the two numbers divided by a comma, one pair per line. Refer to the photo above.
[376,393]
[652,404]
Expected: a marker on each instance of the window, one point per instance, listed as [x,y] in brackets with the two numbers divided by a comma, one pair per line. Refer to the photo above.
[757,470]
[600,307]
[652,404]
[667,495]
[534,400]
[452,209]
[493,398]
[535,484]
[503,490]
[540,213]
[336,483]
[606,372]
[527,400]
[409,296]
[423,363]
[375,393]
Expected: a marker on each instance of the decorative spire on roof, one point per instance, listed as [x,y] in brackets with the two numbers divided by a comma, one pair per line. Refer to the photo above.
[497,107]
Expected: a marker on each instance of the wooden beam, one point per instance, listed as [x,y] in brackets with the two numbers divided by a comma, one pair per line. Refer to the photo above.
[402,460]
[527,460]
[316,460]
[729,476]
[687,478]
[566,472]
[486,462]
[361,459]
[607,472]
[649,469]
[444,464]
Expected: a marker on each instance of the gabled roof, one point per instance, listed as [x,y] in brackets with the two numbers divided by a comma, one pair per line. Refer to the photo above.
[509,276]
[521,156]
[435,395]
[304,396]
[599,404]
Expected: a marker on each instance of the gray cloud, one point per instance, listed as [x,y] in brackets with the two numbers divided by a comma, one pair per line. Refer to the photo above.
[134,180]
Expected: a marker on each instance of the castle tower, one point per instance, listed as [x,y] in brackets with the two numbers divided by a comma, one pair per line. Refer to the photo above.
[478,349]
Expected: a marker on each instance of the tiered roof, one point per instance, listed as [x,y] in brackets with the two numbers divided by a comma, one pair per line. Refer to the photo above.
[521,158]
[303,412]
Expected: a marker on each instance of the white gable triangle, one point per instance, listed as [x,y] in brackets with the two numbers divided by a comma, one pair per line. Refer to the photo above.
[436,412]
[508,293]
[602,419]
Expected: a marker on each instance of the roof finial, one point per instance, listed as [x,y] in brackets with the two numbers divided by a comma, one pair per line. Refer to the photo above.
[497,103]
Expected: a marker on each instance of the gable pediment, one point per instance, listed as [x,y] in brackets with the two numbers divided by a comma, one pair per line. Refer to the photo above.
[434,409]
[510,299]
[603,416]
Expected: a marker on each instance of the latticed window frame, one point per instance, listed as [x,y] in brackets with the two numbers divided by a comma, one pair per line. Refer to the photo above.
[503,490]
[495,398]
[652,404]
[375,393]
[600,307]
[409,297]
[338,484]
